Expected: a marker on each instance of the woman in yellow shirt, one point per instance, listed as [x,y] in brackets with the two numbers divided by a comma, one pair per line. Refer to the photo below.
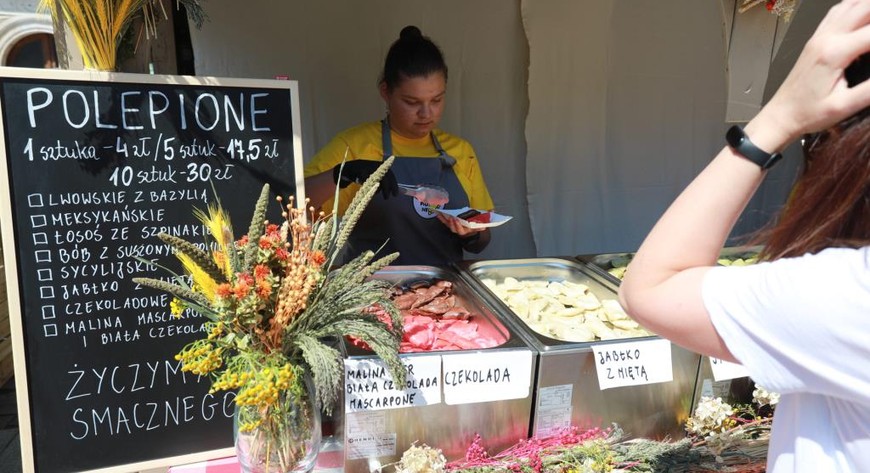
[413,85]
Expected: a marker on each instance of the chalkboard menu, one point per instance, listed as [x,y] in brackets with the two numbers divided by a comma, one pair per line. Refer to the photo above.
[95,166]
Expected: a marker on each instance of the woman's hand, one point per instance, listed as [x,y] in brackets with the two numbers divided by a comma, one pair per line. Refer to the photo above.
[456,226]
[662,287]
[815,95]
[473,239]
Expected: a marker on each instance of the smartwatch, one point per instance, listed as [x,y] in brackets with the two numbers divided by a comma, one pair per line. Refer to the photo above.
[740,143]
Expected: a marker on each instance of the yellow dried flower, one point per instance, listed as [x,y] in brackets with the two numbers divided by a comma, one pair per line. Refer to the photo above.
[176,307]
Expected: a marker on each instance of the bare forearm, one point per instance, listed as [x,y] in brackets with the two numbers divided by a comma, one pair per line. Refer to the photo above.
[662,288]
[693,230]
[319,188]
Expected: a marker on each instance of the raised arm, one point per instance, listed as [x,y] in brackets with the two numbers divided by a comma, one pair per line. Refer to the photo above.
[662,288]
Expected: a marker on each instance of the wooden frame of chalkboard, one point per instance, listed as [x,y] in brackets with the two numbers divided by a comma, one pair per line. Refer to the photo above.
[94,166]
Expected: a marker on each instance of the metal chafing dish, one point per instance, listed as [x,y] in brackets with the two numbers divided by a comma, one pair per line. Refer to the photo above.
[567,387]
[607,265]
[733,391]
[610,265]
[736,390]
[386,434]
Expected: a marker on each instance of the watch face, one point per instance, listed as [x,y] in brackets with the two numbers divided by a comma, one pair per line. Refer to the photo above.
[735,136]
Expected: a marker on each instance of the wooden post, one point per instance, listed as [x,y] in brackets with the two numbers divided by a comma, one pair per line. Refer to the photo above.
[155,53]
[5,329]
[68,54]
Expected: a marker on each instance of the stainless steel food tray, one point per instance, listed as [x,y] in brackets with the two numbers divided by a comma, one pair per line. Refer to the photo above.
[537,269]
[468,296]
[567,388]
[450,427]
[601,263]
[737,390]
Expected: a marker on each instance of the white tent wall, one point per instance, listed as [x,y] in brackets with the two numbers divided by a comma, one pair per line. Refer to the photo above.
[20,6]
[336,48]
[589,116]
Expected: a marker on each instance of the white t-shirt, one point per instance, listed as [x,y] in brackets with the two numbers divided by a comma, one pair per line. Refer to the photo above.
[801,327]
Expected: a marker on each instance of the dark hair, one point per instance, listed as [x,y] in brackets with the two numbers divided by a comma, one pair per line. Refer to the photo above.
[830,204]
[412,55]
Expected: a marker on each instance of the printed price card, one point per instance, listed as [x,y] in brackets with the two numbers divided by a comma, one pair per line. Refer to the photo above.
[483,377]
[368,385]
[554,410]
[725,370]
[367,435]
[633,363]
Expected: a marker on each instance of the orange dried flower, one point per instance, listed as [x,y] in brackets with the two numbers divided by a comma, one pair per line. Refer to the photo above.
[223,290]
[281,254]
[243,285]
[264,289]
[318,258]
[261,271]
[265,242]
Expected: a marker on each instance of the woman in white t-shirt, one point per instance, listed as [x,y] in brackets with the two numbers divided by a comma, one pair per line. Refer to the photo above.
[800,322]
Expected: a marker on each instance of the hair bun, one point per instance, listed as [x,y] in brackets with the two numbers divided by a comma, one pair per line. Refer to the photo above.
[410,32]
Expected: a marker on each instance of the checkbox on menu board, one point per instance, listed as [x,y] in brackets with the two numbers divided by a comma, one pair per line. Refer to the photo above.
[38,221]
[48,312]
[44,274]
[50,330]
[34,200]
[40,238]
[46,292]
[43,256]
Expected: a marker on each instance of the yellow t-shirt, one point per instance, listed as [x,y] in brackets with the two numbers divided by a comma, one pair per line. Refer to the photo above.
[364,142]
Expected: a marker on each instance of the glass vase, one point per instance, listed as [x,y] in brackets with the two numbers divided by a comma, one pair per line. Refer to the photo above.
[282,438]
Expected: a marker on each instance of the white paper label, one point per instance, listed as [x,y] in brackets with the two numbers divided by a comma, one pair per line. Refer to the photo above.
[724,370]
[707,388]
[554,410]
[368,422]
[633,363]
[367,436]
[487,376]
[368,446]
[368,385]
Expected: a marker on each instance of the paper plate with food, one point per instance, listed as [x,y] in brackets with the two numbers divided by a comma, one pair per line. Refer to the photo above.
[473,218]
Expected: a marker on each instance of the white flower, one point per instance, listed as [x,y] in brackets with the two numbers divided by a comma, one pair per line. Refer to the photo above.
[709,416]
[422,459]
[763,397]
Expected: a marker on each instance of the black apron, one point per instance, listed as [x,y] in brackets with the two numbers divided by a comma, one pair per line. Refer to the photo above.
[404,224]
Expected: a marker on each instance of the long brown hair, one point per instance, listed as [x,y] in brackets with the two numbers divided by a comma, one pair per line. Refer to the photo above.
[830,205]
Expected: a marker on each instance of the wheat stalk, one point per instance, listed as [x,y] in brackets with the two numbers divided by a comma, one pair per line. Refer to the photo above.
[175,290]
[360,201]
[255,230]
[198,256]
[98,26]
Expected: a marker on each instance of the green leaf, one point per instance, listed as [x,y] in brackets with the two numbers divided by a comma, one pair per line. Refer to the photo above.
[327,369]
[377,336]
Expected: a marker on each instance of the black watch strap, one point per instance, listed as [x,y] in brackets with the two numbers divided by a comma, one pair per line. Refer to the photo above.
[738,141]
